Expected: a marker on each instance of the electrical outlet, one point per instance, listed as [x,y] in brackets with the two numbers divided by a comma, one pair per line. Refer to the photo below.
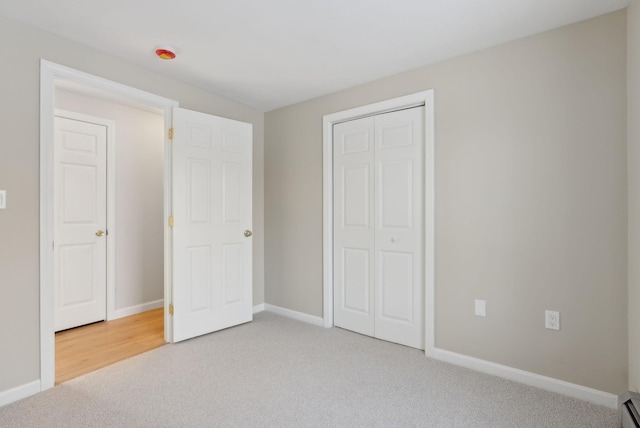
[552,320]
[3,199]
[481,308]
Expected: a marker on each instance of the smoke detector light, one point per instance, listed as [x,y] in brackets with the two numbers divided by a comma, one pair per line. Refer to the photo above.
[166,52]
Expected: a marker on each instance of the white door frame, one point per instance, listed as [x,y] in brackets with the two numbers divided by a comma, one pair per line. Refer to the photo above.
[49,72]
[420,98]
[111,199]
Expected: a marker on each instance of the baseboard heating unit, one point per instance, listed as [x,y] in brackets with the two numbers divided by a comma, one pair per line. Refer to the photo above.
[629,404]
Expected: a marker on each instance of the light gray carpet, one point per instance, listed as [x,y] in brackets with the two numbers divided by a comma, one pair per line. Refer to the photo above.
[277,372]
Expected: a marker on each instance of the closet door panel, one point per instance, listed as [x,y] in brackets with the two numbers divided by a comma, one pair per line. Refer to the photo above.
[399,211]
[354,225]
[378,226]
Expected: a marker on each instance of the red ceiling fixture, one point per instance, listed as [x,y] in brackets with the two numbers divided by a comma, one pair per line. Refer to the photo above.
[166,52]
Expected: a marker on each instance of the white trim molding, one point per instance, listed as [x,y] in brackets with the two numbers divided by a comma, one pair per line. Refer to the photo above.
[136,309]
[49,73]
[532,379]
[19,392]
[426,99]
[300,316]
[258,308]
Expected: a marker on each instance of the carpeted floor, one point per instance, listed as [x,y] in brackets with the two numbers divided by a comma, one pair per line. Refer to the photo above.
[277,372]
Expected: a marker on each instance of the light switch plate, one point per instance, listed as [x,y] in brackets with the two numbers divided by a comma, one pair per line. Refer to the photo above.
[481,308]
[3,199]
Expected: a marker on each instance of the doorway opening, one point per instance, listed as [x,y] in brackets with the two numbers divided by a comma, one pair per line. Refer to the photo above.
[108,169]
[56,78]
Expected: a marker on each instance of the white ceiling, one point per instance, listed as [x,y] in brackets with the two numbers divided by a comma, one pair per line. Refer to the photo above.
[272,53]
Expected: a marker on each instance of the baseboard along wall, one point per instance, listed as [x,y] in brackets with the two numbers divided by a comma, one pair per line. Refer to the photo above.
[543,382]
[136,309]
[300,316]
[532,379]
[23,391]
[528,378]
[19,392]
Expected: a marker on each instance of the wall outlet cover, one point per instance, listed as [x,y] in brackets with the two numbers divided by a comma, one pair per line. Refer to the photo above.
[552,320]
[3,199]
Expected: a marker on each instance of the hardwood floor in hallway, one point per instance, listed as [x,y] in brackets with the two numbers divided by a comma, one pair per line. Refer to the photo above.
[84,349]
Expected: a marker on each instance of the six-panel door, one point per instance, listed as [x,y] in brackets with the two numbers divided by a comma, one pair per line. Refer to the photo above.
[212,260]
[379,226]
[80,194]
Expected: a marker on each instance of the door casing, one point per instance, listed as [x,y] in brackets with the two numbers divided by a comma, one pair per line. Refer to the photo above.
[425,98]
[49,73]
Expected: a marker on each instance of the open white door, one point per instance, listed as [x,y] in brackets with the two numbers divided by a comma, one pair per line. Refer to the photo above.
[212,245]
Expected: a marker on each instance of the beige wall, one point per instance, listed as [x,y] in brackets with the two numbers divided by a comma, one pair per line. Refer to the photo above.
[139,175]
[633,99]
[530,200]
[19,175]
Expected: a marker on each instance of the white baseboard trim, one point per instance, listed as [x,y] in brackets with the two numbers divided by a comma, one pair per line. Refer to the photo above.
[258,308]
[543,382]
[137,309]
[300,316]
[19,392]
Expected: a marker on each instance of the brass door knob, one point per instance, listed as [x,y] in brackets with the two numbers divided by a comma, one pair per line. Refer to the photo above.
[99,233]
[247,233]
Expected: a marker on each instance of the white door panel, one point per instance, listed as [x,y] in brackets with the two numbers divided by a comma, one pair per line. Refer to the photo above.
[399,241]
[396,286]
[212,271]
[80,193]
[76,268]
[354,229]
[231,193]
[356,196]
[378,226]
[356,284]
[395,196]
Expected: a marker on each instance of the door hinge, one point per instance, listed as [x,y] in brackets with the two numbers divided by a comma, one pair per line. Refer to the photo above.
[170,221]
[171,133]
[170,308]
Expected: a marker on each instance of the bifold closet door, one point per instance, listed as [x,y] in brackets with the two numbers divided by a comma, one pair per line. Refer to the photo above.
[399,227]
[379,226]
[353,222]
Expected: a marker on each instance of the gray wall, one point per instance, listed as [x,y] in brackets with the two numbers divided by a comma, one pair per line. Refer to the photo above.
[19,175]
[139,175]
[531,204]
[633,99]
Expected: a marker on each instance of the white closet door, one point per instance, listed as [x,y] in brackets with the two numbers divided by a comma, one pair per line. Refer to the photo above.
[399,234]
[379,226]
[354,225]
